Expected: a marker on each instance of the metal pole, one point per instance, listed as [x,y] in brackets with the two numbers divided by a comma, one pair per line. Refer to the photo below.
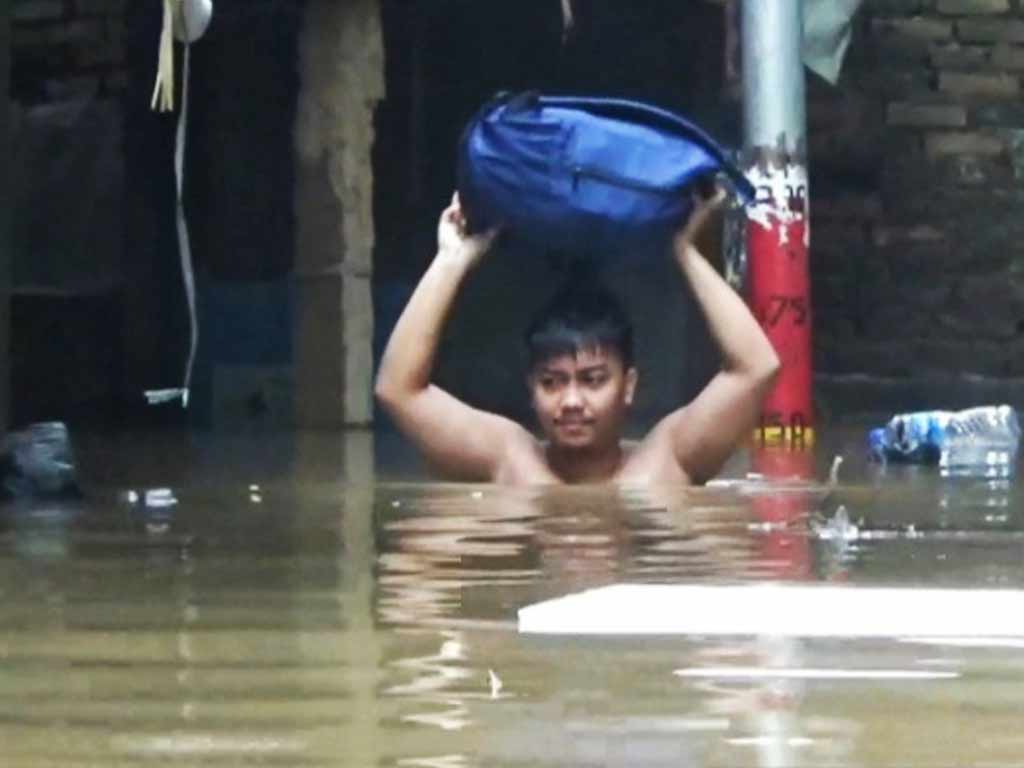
[773,75]
[775,159]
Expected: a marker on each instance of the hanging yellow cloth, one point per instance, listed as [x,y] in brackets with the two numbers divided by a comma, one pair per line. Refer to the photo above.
[163,89]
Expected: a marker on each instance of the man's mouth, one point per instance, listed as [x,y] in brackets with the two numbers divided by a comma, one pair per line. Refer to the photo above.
[573,423]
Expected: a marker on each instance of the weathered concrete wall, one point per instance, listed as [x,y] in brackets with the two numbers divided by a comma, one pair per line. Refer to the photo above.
[917,188]
[342,75]
[5,208]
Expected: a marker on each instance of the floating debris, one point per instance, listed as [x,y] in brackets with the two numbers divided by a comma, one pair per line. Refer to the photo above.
[496,684]
[838,527]
[833,473]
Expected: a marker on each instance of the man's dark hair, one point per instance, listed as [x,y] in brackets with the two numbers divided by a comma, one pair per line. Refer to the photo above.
[582,315]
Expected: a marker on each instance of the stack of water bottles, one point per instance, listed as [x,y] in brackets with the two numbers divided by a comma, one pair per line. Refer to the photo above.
[982,440]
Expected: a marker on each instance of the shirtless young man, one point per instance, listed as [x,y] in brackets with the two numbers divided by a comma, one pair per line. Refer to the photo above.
[581,379]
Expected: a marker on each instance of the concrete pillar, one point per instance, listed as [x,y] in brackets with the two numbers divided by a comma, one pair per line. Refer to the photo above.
[342,76]
[5,214]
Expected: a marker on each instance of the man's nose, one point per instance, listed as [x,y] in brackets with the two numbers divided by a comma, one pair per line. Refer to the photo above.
[572,397]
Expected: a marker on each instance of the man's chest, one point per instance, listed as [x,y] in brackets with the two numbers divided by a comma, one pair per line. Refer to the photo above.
[640,466]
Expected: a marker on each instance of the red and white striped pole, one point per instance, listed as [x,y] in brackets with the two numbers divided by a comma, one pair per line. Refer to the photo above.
[775,160]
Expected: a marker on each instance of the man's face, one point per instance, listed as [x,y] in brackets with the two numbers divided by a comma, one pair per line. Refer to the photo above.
[581,400]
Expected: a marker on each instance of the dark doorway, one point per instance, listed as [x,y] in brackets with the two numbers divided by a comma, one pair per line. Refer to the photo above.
[444,58]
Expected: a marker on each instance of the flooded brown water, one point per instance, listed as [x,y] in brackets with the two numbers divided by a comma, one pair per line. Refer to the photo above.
[293,601]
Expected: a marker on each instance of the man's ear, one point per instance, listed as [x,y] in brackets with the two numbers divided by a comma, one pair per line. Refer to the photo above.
[632,376]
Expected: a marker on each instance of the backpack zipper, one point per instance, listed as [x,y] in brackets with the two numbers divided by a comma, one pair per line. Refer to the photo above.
[582,171]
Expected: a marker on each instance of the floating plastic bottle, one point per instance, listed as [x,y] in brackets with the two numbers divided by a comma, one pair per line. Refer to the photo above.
[981,439]
[38,461]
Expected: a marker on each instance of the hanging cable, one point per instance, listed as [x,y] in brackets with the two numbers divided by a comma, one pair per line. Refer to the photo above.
[187,20]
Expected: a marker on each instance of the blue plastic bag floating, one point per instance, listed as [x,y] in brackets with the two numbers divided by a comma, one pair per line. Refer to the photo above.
[585,174]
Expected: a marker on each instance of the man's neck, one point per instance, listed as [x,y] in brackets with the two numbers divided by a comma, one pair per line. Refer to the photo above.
[596,465]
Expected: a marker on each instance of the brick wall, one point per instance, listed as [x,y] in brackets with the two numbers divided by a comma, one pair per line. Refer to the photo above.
[917,162]
[62,46]
[66,192]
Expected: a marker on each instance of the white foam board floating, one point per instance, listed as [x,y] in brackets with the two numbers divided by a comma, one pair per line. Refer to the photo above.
[770,609]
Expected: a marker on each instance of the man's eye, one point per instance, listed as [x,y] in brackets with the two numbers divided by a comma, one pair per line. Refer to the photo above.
[595,380]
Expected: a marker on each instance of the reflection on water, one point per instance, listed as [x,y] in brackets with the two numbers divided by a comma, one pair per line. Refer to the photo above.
[198,610]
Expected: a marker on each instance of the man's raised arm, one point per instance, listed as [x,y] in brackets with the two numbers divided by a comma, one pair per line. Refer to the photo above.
[704,433]
[463,442]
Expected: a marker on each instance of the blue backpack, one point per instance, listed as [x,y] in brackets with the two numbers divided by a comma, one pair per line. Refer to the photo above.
[584,174]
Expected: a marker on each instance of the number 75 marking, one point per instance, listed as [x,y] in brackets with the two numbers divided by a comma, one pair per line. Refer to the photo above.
[780,306]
